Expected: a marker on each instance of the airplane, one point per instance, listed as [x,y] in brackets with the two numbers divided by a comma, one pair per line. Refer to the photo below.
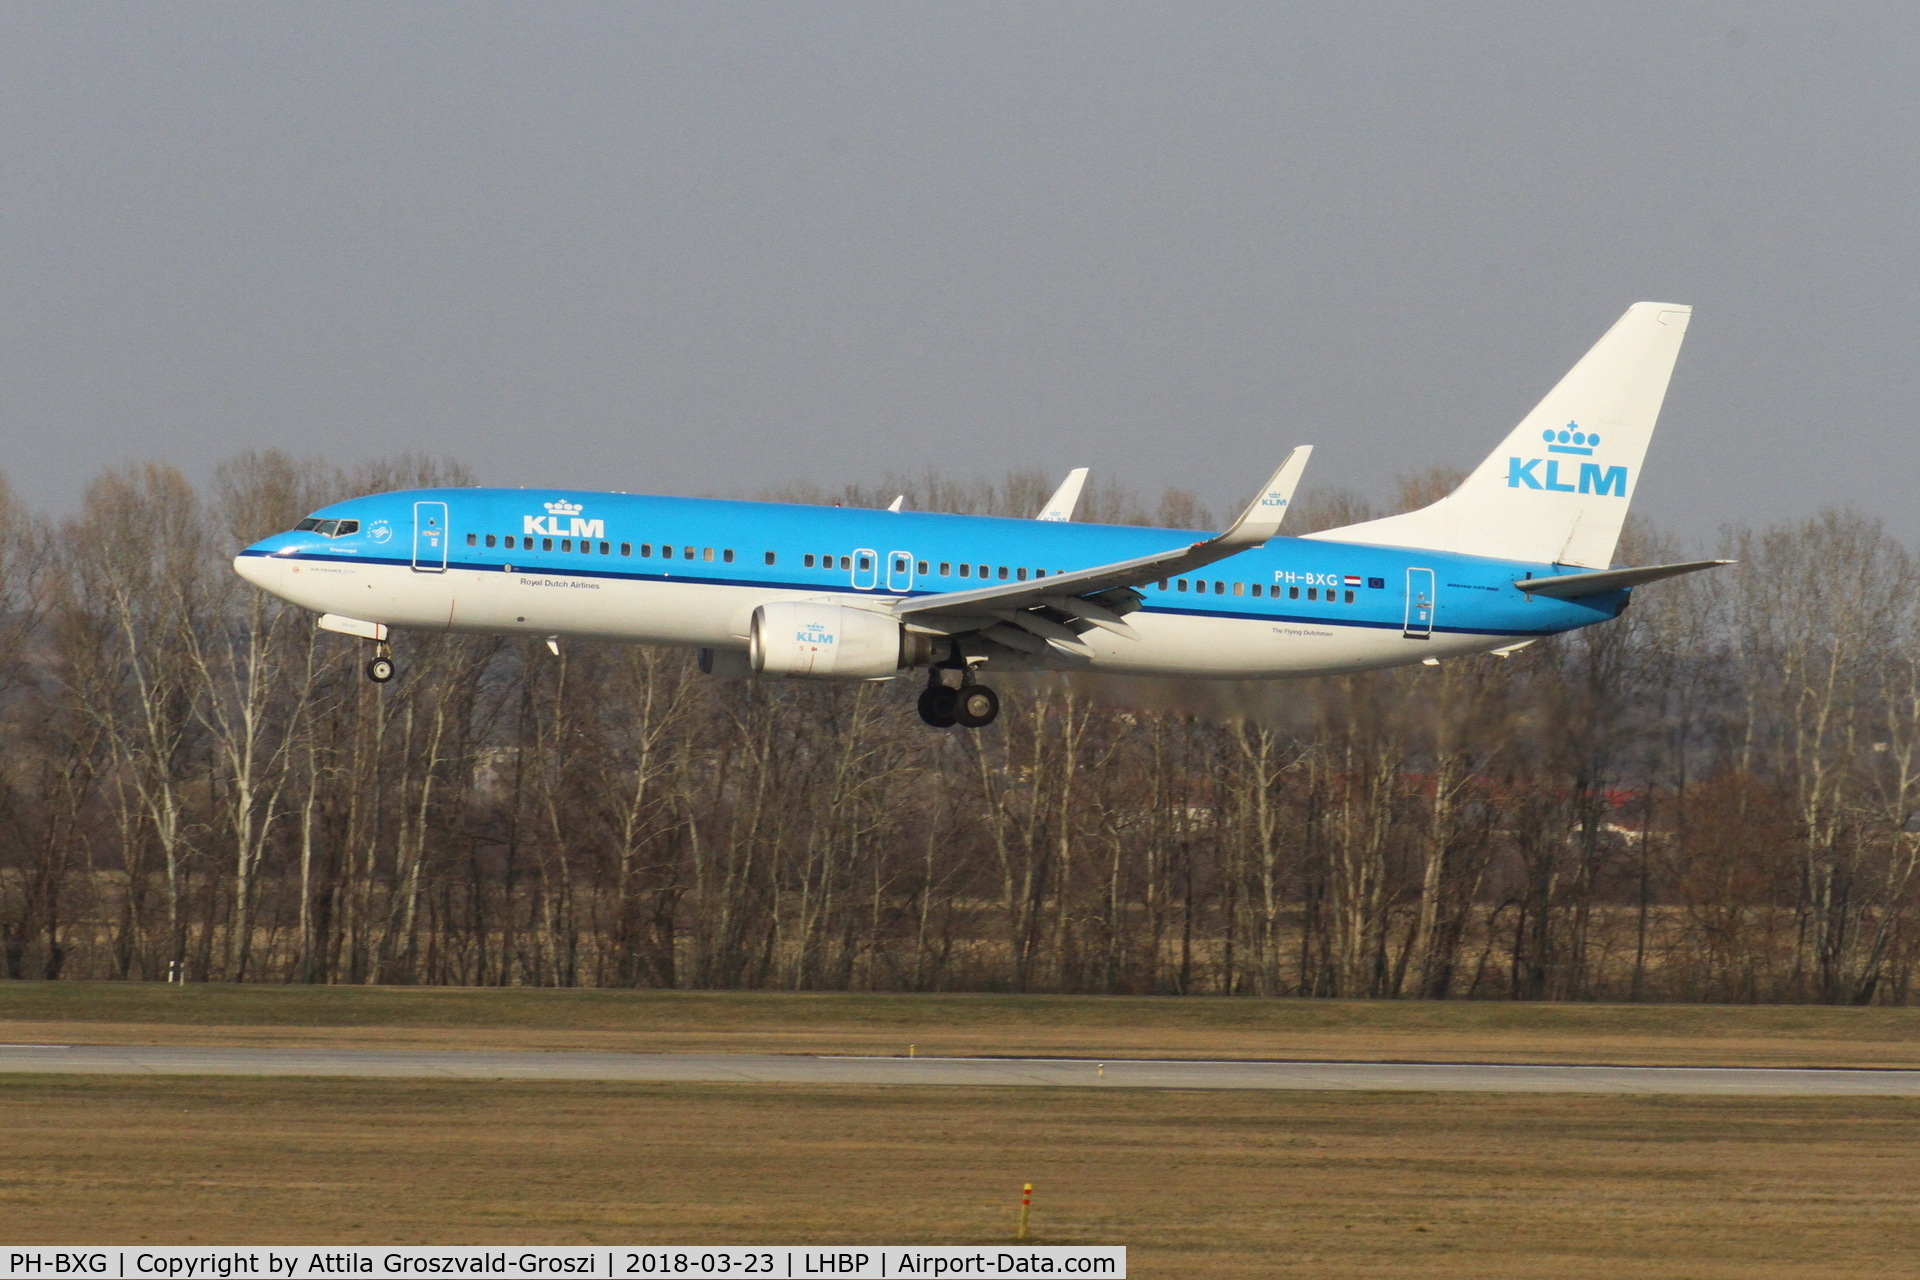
[1523,548]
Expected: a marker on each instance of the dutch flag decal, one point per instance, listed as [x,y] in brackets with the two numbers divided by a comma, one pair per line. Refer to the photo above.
[1352,581]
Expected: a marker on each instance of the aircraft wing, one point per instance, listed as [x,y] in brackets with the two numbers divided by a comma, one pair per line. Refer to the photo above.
[953,612]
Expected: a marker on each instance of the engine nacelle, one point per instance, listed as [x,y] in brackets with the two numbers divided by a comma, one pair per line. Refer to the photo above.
[831,642]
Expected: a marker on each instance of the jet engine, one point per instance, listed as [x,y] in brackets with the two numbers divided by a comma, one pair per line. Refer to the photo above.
[831,642]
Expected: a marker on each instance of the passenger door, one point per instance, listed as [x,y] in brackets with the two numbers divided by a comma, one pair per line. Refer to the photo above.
[1420,604]
[430,537]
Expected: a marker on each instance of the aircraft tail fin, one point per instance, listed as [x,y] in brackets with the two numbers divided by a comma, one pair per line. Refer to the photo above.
[1556,490]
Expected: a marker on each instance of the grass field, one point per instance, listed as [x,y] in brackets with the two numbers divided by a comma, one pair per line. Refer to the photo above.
[1108,1026]
[1196,1184]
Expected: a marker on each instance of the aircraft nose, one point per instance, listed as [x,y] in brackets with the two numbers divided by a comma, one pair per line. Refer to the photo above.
[251,567]
[261,564]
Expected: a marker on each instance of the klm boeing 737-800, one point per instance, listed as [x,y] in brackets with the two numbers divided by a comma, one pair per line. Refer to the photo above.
[1522,549]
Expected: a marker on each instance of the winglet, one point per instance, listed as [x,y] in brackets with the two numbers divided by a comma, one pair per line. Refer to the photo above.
[1261,520]
[1060,506]
[894,506]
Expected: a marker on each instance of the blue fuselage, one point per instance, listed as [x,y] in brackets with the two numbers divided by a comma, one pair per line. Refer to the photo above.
[691,571]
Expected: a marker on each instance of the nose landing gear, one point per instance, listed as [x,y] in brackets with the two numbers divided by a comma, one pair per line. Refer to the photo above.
[380,666]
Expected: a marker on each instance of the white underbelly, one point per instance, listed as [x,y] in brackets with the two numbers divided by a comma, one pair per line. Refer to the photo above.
[1242,648]
[655,611]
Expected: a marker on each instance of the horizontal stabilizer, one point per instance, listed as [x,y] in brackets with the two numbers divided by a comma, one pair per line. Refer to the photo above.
[1571,586]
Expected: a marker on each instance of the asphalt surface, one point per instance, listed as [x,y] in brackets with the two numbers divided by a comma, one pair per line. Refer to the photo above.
[1023,1072]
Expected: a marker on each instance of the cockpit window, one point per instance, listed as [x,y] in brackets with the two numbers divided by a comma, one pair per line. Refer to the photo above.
[328,528]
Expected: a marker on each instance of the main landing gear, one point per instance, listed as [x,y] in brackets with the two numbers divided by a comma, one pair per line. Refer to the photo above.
[380,666]
[945,703]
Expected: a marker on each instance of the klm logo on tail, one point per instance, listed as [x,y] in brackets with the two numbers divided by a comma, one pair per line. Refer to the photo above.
[1593,479]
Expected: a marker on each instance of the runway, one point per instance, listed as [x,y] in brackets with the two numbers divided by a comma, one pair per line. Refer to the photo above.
[1005,1072]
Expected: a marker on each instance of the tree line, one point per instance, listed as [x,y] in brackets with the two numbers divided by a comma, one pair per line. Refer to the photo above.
[1714,798]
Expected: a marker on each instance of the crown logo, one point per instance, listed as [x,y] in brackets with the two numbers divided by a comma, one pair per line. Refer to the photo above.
[1571,440]
[565,508]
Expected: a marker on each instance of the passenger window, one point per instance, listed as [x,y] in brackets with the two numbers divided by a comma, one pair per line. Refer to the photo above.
[1182,584]
[686,553]
[865,564]
[1003,573]
[546,544]
[922,569]
[1349,597]
[586,548]
[727,555]
[489,539]
[509,542]
[1293,593]
[1021,574]
[846,562]
[900,565]
[769,557]
[1219,588]
[606,548]
[646,550]
[1039,573]
[807,560]
[626,548]
[966,571]
[1239,588]
[666,552]
[946,568]
[1256,589]
[566,544]
[473,539]
[1313,593]
[707,555]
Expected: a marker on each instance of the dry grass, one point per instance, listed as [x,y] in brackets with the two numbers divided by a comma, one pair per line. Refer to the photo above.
[1107,1026]
[1197,1184]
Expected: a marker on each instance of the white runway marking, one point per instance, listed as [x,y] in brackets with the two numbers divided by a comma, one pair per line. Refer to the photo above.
[1007,1072]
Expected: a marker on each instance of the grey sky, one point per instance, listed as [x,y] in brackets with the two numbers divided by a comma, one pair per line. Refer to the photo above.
[712,247]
